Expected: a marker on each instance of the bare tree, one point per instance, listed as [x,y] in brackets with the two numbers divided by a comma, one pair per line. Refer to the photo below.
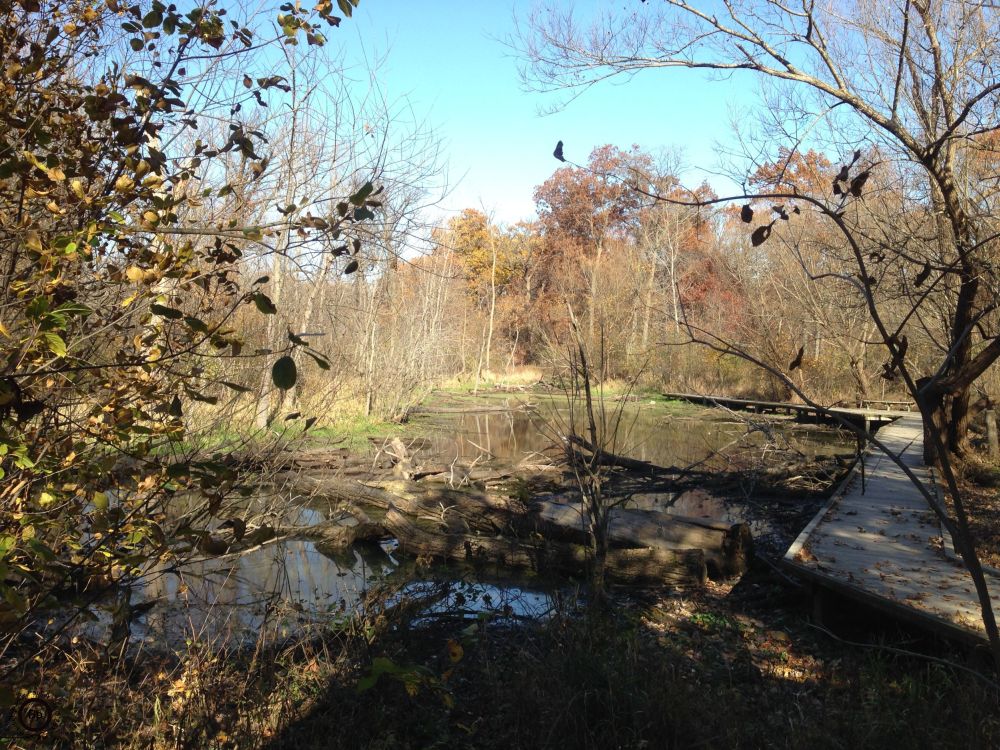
[914,79]
[913,86]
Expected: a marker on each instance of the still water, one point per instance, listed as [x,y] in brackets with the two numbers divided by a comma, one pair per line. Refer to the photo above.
[663,434]
[288,586]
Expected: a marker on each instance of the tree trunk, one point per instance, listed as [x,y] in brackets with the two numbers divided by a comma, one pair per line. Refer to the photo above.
[672,567]
[947,415]
[648,312]
[595,269]
[493,303]
[861,378]
[728,547]
[674,297]
[958,423]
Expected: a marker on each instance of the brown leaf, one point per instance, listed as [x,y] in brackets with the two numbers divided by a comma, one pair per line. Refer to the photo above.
[797,362]
[922,276]
[859,182]
[760,235]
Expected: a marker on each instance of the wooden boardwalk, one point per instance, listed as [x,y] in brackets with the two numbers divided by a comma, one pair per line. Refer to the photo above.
[880,543]
[868,417]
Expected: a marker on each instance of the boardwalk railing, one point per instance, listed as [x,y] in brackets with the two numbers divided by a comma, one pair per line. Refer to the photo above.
[869,418]
[876,403]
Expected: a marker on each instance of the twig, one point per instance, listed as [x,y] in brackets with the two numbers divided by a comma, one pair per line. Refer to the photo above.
[904,652]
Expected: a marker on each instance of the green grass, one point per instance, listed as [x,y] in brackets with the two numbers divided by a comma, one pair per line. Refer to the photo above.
[348,431]
[353,433]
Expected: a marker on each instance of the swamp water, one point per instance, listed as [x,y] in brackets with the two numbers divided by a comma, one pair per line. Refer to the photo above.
[288,586]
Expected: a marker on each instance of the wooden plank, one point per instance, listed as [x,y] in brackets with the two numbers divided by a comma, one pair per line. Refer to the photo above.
[880,543]
[881,416]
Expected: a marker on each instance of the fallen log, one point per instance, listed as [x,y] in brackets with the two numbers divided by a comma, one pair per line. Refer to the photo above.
[335,536]
[467,509]
[728,547]
[503,528]
[331,461]
[472,409]
[606,458]
[680,567]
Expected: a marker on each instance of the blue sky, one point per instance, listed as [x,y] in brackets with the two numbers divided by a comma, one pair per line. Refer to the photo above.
[444,58]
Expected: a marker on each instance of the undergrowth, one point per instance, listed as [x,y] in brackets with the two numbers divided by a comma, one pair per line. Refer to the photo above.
[722,669]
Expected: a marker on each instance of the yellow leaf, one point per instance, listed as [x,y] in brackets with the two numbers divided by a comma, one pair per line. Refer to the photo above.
[455,651]
[56,174]
[124,183]
[33,240]
[45,498]
[33,160]
[134,274]
[53,207]
[77,187]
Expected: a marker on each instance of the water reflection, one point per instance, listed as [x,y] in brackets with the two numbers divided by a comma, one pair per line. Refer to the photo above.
[286,586]
[475,600]
[646,432]
[279,588]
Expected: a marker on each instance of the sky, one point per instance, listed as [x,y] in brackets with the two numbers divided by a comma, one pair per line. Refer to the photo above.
[445,58]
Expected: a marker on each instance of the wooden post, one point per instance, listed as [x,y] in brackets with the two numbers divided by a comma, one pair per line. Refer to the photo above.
[818,605]
[991,434]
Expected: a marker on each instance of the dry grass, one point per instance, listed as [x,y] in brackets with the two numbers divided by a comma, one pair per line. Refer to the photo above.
[517,377]
[732,667]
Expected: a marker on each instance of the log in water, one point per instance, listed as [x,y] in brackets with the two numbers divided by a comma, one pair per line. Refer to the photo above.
[728,547]
[487,526]
[681,567]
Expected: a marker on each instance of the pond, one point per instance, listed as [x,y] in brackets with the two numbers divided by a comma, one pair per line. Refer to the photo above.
[666,434]
[286,587]
[292,587]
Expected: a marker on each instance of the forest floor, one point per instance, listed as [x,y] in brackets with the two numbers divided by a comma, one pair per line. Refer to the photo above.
[981,486]
[738,664]
[733,666]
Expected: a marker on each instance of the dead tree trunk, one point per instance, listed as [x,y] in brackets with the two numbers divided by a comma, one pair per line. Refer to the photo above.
[728,547]
[671,567]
